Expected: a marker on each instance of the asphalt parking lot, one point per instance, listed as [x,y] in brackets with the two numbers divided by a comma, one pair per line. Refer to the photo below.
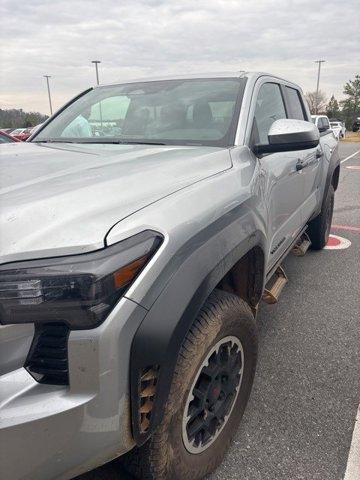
[300,418]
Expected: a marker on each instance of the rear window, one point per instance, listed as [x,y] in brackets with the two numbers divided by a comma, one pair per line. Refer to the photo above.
[325,123]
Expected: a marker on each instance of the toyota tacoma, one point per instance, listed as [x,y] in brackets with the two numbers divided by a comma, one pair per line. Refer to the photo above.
[140,227]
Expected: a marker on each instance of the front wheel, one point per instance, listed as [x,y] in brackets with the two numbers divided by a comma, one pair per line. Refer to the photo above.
[210,388]
[319,227]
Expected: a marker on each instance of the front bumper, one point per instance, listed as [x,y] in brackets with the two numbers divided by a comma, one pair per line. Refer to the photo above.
[57,432]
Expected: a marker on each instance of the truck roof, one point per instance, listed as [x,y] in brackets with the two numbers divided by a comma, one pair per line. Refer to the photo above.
[235,74]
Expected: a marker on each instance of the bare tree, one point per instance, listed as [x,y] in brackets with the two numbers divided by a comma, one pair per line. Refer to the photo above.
[316,104]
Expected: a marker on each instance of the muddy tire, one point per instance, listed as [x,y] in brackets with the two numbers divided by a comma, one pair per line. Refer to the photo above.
[209,391]
[319,227]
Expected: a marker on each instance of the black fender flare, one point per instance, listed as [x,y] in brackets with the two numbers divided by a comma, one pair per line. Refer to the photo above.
[157,342]
[334,163]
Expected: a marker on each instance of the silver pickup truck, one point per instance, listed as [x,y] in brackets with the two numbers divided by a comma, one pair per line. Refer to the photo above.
[140,227]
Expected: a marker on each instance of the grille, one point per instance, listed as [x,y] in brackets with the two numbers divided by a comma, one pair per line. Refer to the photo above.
[47,361]
[147,389]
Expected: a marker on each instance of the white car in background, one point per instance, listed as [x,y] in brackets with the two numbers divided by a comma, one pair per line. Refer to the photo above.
[338,128]
[322,122]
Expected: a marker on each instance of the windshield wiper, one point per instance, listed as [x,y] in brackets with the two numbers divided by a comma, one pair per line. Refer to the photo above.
[123,142]
[130,142]
[102,141]
[51,141]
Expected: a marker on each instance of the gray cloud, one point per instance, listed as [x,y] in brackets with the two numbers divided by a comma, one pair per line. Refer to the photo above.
[140,38]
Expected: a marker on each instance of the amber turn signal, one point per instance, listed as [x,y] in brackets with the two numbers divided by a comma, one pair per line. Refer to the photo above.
[126,274]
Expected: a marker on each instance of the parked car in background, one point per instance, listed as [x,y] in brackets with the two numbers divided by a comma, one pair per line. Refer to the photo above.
[7,130]
[25,134]
[6,138]
[338,128]
[128,314]
[35,129]
[21,133]
[322,122]
[17,131]
[356,125]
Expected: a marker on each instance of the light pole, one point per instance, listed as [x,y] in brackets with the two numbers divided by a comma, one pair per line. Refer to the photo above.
[96,62]
[317,84]
[97,70]
[48,89]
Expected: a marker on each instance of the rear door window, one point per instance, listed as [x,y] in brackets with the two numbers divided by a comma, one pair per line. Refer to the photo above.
[296,110]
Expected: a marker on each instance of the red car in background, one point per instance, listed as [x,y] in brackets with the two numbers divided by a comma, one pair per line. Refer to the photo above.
[6,138]
[21,133]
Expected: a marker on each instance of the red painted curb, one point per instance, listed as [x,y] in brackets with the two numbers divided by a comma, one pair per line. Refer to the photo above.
[337,243]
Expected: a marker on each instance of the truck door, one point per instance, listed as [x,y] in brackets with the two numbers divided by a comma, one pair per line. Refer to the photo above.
[283,188]
[308,161]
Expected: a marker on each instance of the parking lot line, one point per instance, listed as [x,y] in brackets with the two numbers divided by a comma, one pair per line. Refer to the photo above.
[350,156]
[345,227]
[353,464]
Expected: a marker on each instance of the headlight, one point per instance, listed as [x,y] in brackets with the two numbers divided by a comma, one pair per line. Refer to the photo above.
[78,290]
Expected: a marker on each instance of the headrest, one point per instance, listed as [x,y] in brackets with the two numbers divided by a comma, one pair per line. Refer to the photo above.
[173,113]
[202,114]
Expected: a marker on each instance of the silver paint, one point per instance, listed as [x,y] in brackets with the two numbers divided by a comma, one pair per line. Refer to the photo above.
[64,199]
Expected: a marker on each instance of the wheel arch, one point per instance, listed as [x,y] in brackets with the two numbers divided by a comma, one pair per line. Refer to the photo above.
[246,277]
[159,338]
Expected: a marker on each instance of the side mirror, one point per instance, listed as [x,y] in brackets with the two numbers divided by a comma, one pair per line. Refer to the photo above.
[286,135]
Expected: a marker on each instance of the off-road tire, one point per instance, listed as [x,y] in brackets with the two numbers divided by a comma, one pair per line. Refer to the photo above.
[164,456]
[319,227]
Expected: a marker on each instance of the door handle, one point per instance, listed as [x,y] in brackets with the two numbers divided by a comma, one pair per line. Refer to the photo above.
[299,166]
[319,154]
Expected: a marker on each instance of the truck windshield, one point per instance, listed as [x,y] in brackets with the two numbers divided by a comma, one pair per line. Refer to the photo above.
[181,112]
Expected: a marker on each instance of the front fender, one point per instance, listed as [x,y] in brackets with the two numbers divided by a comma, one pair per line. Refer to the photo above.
[158,340]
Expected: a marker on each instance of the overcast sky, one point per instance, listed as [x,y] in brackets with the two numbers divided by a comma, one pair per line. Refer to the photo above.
[142,38]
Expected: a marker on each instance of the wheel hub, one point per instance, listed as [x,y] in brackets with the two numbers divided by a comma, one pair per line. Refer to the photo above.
[213,394]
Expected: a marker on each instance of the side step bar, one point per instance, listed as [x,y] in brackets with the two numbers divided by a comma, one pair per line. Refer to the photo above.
[272,294]
[302,245]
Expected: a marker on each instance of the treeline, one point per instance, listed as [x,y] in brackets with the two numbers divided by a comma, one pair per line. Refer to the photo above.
[347,110]
[17,118]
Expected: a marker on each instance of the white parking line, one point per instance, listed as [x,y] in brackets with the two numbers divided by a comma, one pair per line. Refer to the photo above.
[353,463]
[350,156]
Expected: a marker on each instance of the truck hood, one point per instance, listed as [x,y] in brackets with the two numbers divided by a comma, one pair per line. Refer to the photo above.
[58,199]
